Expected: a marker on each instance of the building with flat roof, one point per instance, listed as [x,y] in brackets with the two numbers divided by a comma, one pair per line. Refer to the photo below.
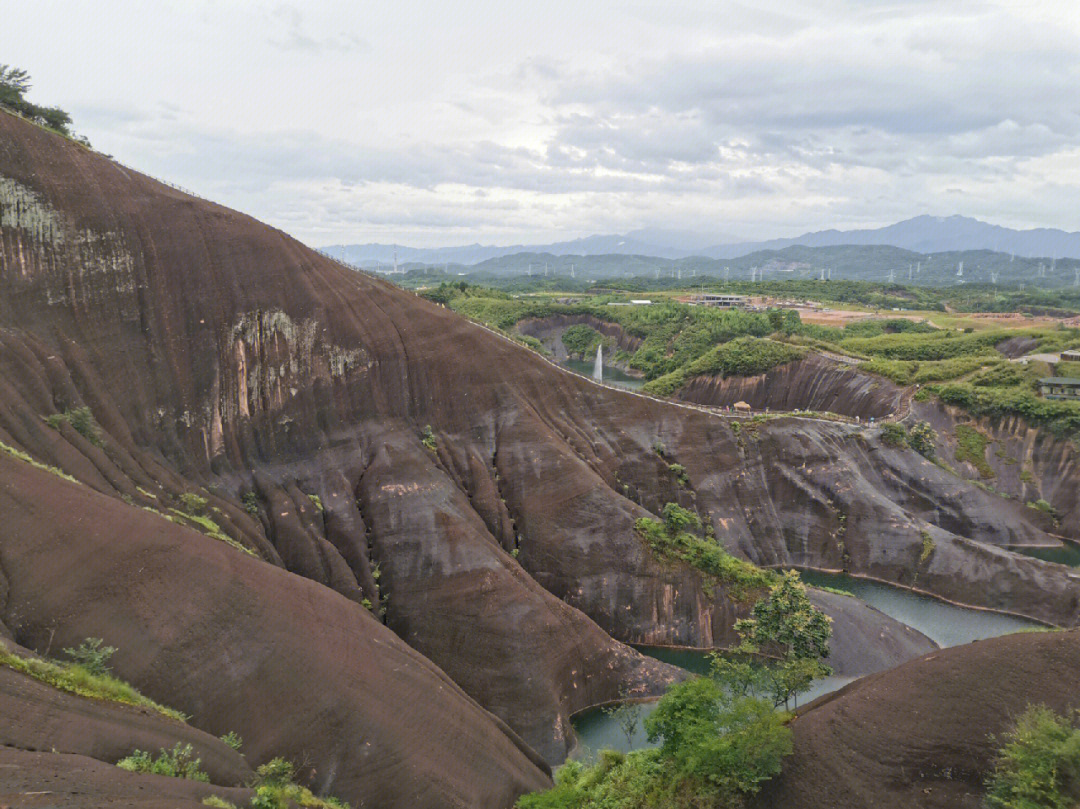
[1071,355]
[719,300]
[1060,387]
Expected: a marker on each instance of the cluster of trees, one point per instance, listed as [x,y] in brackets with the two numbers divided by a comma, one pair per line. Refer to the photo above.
[1038,766]
[14,85]
[719,737]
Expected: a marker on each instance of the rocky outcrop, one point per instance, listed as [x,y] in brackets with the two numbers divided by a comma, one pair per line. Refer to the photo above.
[1020,461]
[548,330]
[812,383]
[243,646]
[265,398]
[923,735]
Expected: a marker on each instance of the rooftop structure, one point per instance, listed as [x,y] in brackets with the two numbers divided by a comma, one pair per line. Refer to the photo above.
[1060,387]
[720,300]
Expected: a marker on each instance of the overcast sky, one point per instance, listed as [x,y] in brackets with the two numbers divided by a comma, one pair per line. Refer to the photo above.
[430,123]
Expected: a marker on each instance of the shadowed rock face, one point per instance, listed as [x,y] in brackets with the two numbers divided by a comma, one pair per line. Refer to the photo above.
[220,357]
[920,735]
[812,383]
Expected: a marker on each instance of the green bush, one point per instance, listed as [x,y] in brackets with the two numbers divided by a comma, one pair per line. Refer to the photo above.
[921,437]
[894,435]
[81,420]
[745,356]
[251,503]
[276,789]
[193,503]
[427,438]
[1038,766]
[180,762]
[679,472]
[92,656]
[715,750]
[674,539]
[233,740]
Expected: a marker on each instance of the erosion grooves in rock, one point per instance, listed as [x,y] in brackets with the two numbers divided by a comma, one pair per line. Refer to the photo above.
[485,571]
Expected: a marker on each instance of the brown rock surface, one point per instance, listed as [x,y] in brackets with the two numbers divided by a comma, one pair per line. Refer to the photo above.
[224,359]
[920,734]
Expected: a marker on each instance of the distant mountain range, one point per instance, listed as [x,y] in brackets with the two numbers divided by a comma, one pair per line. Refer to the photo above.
[922,234]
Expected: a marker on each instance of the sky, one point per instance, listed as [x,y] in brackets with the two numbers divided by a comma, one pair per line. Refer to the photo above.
[431,123]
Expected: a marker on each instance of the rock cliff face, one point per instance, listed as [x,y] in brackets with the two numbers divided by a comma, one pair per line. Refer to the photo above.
[812,383]
[921,735]
[441,562]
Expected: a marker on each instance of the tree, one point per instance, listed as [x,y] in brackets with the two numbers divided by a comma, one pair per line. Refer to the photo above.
[712,737]
[1038,767]
[786,620]
[14,85]
[922,438]
[627,716]
[92,656]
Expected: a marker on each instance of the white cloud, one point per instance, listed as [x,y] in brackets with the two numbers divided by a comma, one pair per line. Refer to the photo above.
[480,121]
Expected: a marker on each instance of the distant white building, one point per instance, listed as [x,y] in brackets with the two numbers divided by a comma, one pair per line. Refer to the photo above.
[719,300]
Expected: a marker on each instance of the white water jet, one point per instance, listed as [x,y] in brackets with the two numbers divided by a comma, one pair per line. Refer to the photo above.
[598,366]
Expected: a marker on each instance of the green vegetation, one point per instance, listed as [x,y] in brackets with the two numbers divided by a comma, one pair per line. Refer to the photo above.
[314,498]
[894,435]
[233,740]
[785,622]
[427,438]
[921,438]
[92,656]
[193,503]
[957,363]
[1038,765]
[716,749]
[14,85]
[81,420]
[180,762]
[275,788]
[75,679]
[1045,507]
[678,471]
[581,340]
[627,717]
[1061,417]
[927,547]
[251,503]
[26,458]
[676,538]
[971,447]
[208,526]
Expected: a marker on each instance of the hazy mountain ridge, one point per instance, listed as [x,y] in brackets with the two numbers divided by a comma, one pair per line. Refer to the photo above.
[921,234]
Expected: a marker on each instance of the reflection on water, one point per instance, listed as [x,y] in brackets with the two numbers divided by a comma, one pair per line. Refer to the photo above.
[597,731]
[612,376]
[946,624]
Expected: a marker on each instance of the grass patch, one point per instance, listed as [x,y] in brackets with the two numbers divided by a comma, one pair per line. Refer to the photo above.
[210,528]
[180,762]
[971,447]
[927,547]
[24,457]
[76,679]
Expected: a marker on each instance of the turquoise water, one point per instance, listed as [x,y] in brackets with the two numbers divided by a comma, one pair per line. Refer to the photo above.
[597,730]
[944,623]
[1067,554]
[612,376]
